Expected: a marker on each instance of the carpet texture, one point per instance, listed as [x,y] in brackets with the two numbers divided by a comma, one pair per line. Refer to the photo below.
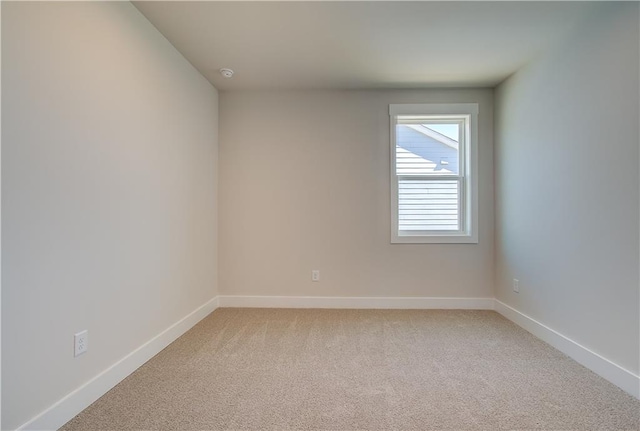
[294,369]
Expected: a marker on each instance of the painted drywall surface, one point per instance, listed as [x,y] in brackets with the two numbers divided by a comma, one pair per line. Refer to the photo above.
[108,193]
[304,184]
[567,187]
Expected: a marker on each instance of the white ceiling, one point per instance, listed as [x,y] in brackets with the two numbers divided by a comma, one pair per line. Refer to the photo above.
[369,44]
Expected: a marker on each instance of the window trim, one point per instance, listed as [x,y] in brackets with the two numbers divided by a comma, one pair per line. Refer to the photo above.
[469,198]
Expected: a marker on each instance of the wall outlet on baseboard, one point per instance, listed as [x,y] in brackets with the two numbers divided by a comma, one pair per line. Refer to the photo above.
[516,285]
[315,275]
[80,343]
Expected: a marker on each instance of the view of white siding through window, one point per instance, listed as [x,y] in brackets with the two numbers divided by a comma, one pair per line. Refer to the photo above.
[427,166]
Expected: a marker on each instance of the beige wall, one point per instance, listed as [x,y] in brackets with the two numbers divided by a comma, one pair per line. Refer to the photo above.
[304,180]
[567,187]
[108,193]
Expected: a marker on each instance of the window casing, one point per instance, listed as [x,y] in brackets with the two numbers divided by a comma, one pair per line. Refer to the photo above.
[434,173]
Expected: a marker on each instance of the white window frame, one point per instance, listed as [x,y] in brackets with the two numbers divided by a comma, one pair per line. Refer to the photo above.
[468,170]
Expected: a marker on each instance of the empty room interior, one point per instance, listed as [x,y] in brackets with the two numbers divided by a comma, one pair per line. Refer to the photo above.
[321,215]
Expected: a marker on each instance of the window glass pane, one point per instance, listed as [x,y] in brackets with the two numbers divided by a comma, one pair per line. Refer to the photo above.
[425,204]
[451,131]
[427,148]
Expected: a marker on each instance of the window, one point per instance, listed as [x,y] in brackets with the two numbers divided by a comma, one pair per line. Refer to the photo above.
[434,173]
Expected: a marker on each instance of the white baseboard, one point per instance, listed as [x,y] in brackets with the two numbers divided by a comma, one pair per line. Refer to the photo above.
[356,302]
[610,371]
[72,404]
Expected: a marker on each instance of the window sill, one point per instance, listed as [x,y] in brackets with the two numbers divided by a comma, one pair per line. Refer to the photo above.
[434,239]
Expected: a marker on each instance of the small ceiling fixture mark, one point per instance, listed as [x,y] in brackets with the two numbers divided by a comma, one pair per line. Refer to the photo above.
[227,73]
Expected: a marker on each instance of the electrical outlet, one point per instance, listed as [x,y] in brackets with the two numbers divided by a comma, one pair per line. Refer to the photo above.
[516,287]
[315,275]
[80,343]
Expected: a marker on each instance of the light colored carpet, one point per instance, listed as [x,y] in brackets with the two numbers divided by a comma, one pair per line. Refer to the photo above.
[285,369]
